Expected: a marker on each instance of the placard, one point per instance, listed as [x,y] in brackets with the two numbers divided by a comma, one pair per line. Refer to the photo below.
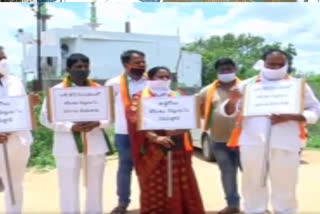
[80,104]
[169,113]
[279,97]
[15,114]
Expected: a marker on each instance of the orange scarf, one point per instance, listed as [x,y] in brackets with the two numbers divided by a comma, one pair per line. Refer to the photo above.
[68,83]
[211,93]
[236,133]
[124,90]
[146,93]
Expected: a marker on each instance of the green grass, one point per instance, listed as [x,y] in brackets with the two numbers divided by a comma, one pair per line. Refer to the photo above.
[314,139]
[314,130]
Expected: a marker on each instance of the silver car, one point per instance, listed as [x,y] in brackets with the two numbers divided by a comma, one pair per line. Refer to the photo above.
[202,141]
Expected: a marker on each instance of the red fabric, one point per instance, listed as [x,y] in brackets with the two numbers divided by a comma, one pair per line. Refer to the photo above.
[151,168]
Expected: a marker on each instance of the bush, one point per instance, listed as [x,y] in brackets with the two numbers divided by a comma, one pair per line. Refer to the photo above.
[41,150]
[314,130]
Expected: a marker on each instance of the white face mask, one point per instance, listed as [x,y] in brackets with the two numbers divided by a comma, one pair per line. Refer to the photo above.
[159,86]
[227,77]
[274,74]
[4,67]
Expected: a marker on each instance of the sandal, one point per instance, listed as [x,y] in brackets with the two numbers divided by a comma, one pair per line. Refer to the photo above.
[1,185]
[119,210]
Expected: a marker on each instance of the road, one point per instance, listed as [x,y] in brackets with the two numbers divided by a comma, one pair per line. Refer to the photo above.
[41,193]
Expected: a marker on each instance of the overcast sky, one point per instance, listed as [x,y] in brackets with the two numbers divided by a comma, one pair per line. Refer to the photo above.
[296,23]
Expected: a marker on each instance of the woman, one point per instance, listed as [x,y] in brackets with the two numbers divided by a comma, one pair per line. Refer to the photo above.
[151,150]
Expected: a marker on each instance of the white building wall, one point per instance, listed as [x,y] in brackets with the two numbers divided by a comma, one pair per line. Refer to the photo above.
[104,50]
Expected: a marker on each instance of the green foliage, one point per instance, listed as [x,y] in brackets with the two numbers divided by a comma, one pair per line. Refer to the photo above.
[41,150]
[314,81]
[314,142]
[314,130]
[244,49]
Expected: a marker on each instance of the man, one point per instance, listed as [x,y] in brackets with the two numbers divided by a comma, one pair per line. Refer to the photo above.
[286,134]
[18,143]
[212,97]
[131,82]
[68,146]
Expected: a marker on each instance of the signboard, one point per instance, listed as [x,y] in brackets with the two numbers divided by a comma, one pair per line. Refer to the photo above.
[168,113]
[281,97]
[15,114]
[80,104]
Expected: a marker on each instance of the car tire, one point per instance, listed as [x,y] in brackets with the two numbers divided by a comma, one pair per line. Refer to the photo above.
[207,150]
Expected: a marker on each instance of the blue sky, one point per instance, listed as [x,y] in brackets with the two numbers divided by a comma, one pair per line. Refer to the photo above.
[209,10]
[297,23]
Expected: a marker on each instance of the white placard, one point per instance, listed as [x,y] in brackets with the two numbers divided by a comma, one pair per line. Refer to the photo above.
[168,113]
[15,114]
[80,104]
[279,97]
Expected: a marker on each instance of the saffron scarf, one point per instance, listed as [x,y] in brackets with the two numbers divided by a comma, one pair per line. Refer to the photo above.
[211,93]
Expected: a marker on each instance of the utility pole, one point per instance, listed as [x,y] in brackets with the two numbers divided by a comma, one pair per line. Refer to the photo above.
[42,16]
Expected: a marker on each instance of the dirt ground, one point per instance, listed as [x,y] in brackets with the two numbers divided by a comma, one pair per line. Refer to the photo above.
[41,192]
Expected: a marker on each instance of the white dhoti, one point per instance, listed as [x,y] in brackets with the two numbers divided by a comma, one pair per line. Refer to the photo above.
[18,160]
[283,174]
[69,176]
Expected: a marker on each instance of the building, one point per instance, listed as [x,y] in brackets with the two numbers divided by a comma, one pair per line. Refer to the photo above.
[104,49]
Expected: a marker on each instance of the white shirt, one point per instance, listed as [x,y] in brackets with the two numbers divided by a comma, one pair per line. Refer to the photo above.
[64,142]
[135,86]
[309,1]
[12,86]
[283,135]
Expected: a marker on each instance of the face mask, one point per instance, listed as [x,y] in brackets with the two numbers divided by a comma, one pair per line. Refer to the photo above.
[159,86]
[4,67]
[226,78]
[137,71]
[79,75]
[274,74]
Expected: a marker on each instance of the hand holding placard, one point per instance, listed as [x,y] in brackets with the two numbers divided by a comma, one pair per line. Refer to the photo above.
[168,113]
[80,104]
[4,138]
[274,97]
[85,126]
[15,114]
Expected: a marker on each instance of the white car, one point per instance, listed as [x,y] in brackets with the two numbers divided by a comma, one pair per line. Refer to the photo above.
[202,141]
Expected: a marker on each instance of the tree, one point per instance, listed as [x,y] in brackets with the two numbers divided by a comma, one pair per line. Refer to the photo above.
[244,49]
